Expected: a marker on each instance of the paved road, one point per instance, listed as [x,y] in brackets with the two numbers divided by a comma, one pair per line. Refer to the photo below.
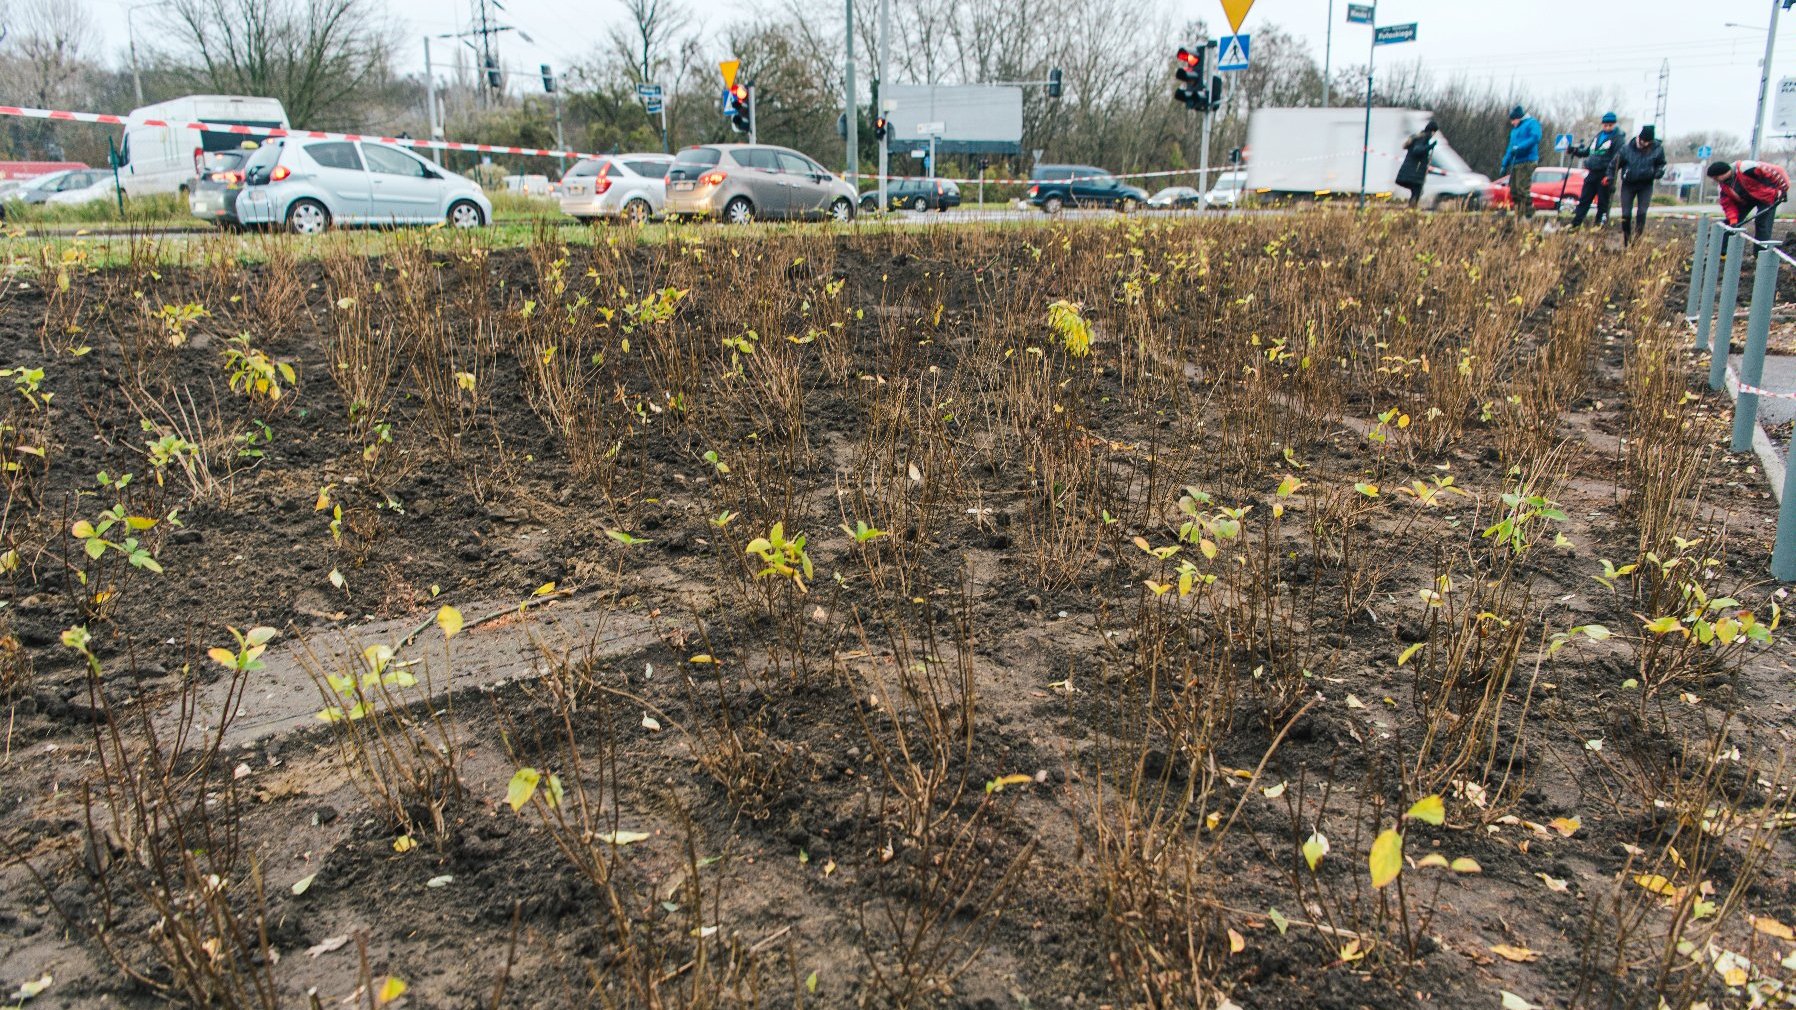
[1780,375]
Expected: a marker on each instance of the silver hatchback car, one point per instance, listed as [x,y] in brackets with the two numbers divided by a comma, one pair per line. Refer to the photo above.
[310,185]
[742,182]
[628,186]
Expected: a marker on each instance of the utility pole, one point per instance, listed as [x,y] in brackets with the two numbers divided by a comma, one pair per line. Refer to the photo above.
[850,105]
[885,55]
[751,112]
[1664,97]
[1365,150]
[1328,48]
[1758,119]
[430,101]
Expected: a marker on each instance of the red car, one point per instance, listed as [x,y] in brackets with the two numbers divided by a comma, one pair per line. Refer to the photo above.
[1553,189]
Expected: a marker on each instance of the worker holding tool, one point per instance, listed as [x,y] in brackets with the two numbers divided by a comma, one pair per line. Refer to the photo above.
[1599,164]
[1751,187]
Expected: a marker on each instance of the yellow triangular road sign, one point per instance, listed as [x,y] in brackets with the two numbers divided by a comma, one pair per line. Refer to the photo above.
[729,67]
[1237,12]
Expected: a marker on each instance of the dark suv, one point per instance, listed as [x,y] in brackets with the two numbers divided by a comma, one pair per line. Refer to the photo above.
[915,194]
[1054,187]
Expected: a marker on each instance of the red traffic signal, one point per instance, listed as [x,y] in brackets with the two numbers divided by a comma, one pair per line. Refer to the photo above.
[1194,92]
[880,127]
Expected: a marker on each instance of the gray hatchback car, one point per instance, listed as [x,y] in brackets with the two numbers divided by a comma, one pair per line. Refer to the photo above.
[742,182]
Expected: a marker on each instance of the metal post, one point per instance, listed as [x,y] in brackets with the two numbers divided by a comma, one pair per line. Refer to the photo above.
[1365,150]
[932,156]
[1711,271]
[1723,334]
[850,105]
[1702,246]
[666,142]
[1328,48]
[1783,555]
[1758,119]
[430,100]
[131,41]
[1752,363]
[1211,54]
[885,53]
[560,143]
[751,114]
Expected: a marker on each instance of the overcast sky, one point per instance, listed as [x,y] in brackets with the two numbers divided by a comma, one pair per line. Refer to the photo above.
[1545,45]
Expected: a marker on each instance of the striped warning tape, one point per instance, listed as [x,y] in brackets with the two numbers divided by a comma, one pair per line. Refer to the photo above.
[1773,393]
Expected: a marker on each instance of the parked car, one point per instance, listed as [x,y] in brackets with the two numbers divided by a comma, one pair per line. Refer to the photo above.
[1553,189]
[218,183]
[99,187]
[1055,187]
[1227,191]
[161,159]
[1176,198]
[307,186]
[915,194]
[39,190]
[742,182]
[628,186]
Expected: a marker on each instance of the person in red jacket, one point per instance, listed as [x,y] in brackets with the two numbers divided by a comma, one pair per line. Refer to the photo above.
[1751,188]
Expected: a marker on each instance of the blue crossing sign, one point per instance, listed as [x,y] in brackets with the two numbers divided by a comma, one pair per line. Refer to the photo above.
[1232,52]
[1562,143]
[1390,35]
[1704,151]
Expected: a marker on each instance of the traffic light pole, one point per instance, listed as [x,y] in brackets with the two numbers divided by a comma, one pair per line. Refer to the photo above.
[851,116]
[885,54]
[1203,154]
[430,101]
[751,112]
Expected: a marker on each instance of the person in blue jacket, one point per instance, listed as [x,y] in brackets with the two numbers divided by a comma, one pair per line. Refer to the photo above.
[1520,158]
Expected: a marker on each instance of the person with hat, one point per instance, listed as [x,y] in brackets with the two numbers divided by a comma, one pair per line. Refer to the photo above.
[1418,152]
[1751,187]
[1520,157]
[1599,163]
[1640,163]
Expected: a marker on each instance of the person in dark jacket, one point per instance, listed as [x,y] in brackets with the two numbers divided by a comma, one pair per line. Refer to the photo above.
[1520,157]
[1417,152]
[1639,164]
[1599,162]
[1751,187]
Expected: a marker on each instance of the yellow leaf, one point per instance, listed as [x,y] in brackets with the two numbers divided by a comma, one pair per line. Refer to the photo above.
[1466,864]
[1386,860]
[702,658]
[390,990]
[449,619]
[1771,927]
[522,787]
[1655,883]
[223,657]
[1015,779]
[1567,826]
[404,843]
[543,590]
[1735,976]
[1428,809]
[1352,952]
[1554,884]
[1432,859]
[1237,942]
[324,498]
[1520,955]
[1314,848]
[1407,654]
[1274,792]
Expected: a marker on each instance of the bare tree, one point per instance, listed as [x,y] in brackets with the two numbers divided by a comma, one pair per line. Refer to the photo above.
[50,62]
[324,59]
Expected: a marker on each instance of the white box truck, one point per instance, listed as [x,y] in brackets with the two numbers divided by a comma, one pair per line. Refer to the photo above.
[1312,153]
[166,159]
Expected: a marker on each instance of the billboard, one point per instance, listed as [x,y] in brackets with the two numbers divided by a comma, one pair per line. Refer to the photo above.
[964,118]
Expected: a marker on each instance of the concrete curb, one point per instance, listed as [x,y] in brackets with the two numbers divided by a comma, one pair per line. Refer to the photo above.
[1761,443]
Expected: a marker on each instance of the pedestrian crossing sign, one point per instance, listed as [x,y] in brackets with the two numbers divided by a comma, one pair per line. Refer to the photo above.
[1232,52]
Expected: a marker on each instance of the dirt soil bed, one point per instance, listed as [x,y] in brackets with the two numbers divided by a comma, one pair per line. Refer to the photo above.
[1308,611]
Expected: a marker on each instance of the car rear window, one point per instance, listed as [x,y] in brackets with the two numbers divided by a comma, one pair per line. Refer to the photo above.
[211,140]
[648,169]
[335,154]
[692,162]
[582,169]
[263,161]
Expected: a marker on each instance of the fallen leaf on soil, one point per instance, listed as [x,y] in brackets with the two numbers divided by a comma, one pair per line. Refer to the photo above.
[1278,920]
[300,885]
[29,989]
[1771,927]
[328,944]
[443,881]
[1237,942]
[810,982]
[1352,951]
[1553,883]
[1656,883]
[1520,955]
[1513,1002]
[1432,859]
[649,723]
[390,990]
[623,837]
[1567,826]
[1274,792]
[1466,864]
[404,843]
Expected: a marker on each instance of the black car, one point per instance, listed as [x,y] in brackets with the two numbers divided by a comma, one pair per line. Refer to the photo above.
[218,181]
[915,194]
[1056,187]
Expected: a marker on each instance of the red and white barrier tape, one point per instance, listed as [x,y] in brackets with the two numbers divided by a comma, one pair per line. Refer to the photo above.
[104,119]
[1772,393]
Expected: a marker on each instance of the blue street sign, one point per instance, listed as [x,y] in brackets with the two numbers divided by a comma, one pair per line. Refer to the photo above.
[1390,35]
[1562,143]
[1360,14]
[728,105]
[653,106]
[1704,151]
[648,91]
[1232,52]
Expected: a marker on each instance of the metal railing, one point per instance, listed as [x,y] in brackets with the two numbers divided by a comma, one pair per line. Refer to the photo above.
[1719,255]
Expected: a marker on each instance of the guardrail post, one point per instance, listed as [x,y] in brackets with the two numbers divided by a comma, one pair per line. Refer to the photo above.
[1752,363]
[1783,556]
[1711,272]
[1702,247]
[1722,336]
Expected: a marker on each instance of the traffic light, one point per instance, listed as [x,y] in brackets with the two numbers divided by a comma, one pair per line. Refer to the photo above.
[494,79]
[739,119]
[548,80]
[880,127]
[1191,91]
[1054,83]
[1216,91]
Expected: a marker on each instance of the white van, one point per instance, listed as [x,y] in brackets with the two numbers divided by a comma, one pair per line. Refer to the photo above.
[165,159]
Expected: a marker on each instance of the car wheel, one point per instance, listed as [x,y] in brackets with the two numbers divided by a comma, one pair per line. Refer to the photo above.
[465,214]
[1125,206]
[308,217]
[739,211]
[842,211]
[637,211]
[869,203]
[1053,205]
[918,203]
